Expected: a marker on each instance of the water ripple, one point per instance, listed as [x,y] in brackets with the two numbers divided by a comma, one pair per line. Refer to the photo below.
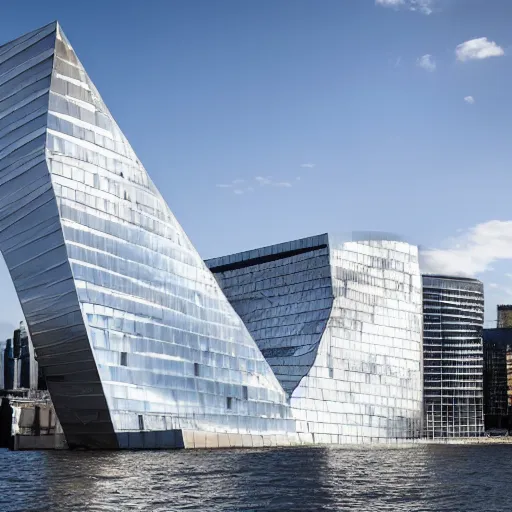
[424,478]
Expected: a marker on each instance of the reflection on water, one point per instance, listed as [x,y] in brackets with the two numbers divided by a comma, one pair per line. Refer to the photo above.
[423,478]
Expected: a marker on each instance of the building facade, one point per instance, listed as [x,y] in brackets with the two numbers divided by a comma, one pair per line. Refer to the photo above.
[504,316]
[453,356]
[497,377]
[137,343]
[340,322]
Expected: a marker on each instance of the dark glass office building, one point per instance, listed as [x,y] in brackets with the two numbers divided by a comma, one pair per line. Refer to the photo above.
[453,310]
[497,377]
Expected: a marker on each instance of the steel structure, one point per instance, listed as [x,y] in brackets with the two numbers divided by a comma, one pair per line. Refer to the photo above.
[453,356]
[339,321]
[138,344]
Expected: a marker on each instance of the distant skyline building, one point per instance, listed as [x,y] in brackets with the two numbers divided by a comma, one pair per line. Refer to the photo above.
[28,367]
[18,362]
[8,365]
[340,322]
[504,316]
[453,356]
[498,371]
[497,377]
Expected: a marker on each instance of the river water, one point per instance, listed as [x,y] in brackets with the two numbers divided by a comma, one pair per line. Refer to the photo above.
[422,478]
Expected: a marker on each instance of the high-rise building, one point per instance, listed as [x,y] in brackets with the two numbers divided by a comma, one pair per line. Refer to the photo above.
[497,377]
[504,316]
[2,356]
[18,362]
[339,320]
[28,367]
[8,365]
[453,356]
[137,343]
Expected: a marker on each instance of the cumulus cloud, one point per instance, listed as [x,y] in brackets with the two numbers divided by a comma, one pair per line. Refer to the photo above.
[472,252]
[477,49]
[427,62]
[423,6]
[469,99]
[308,166]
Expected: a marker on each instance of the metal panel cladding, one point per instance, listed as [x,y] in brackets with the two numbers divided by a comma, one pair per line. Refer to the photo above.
[340,322]
[453,356]
[131,329]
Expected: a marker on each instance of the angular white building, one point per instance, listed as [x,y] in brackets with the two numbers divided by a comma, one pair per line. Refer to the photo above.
[340,323]
[138,344]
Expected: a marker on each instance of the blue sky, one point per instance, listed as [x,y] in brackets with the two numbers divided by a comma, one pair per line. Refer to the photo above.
[262,121]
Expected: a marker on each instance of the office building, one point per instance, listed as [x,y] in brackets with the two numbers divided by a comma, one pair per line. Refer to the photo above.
[339,321]
[497,377]
[453,356]
[28,367]
[8,365]
[18,362]
[138,345]
[504,316]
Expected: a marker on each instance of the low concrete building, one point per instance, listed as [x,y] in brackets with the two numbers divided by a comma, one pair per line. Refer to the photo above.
[30,423]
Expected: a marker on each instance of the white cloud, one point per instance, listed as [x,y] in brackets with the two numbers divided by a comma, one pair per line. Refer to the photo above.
[308,166]
[427,62]
[472,252]
[238,188]
[469,99]
[268,181]
[423,6]
[477,49]
[230,185]
[263,181]
[493,285]
[390,3]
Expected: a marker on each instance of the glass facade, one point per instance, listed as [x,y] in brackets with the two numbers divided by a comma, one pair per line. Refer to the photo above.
[497,377]
[340,322]
[138,344]
[453,356]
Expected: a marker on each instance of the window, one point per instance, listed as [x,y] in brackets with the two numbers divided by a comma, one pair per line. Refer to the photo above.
[124,359]
[196,369]
[229,403]
[245,392]
[141,422]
